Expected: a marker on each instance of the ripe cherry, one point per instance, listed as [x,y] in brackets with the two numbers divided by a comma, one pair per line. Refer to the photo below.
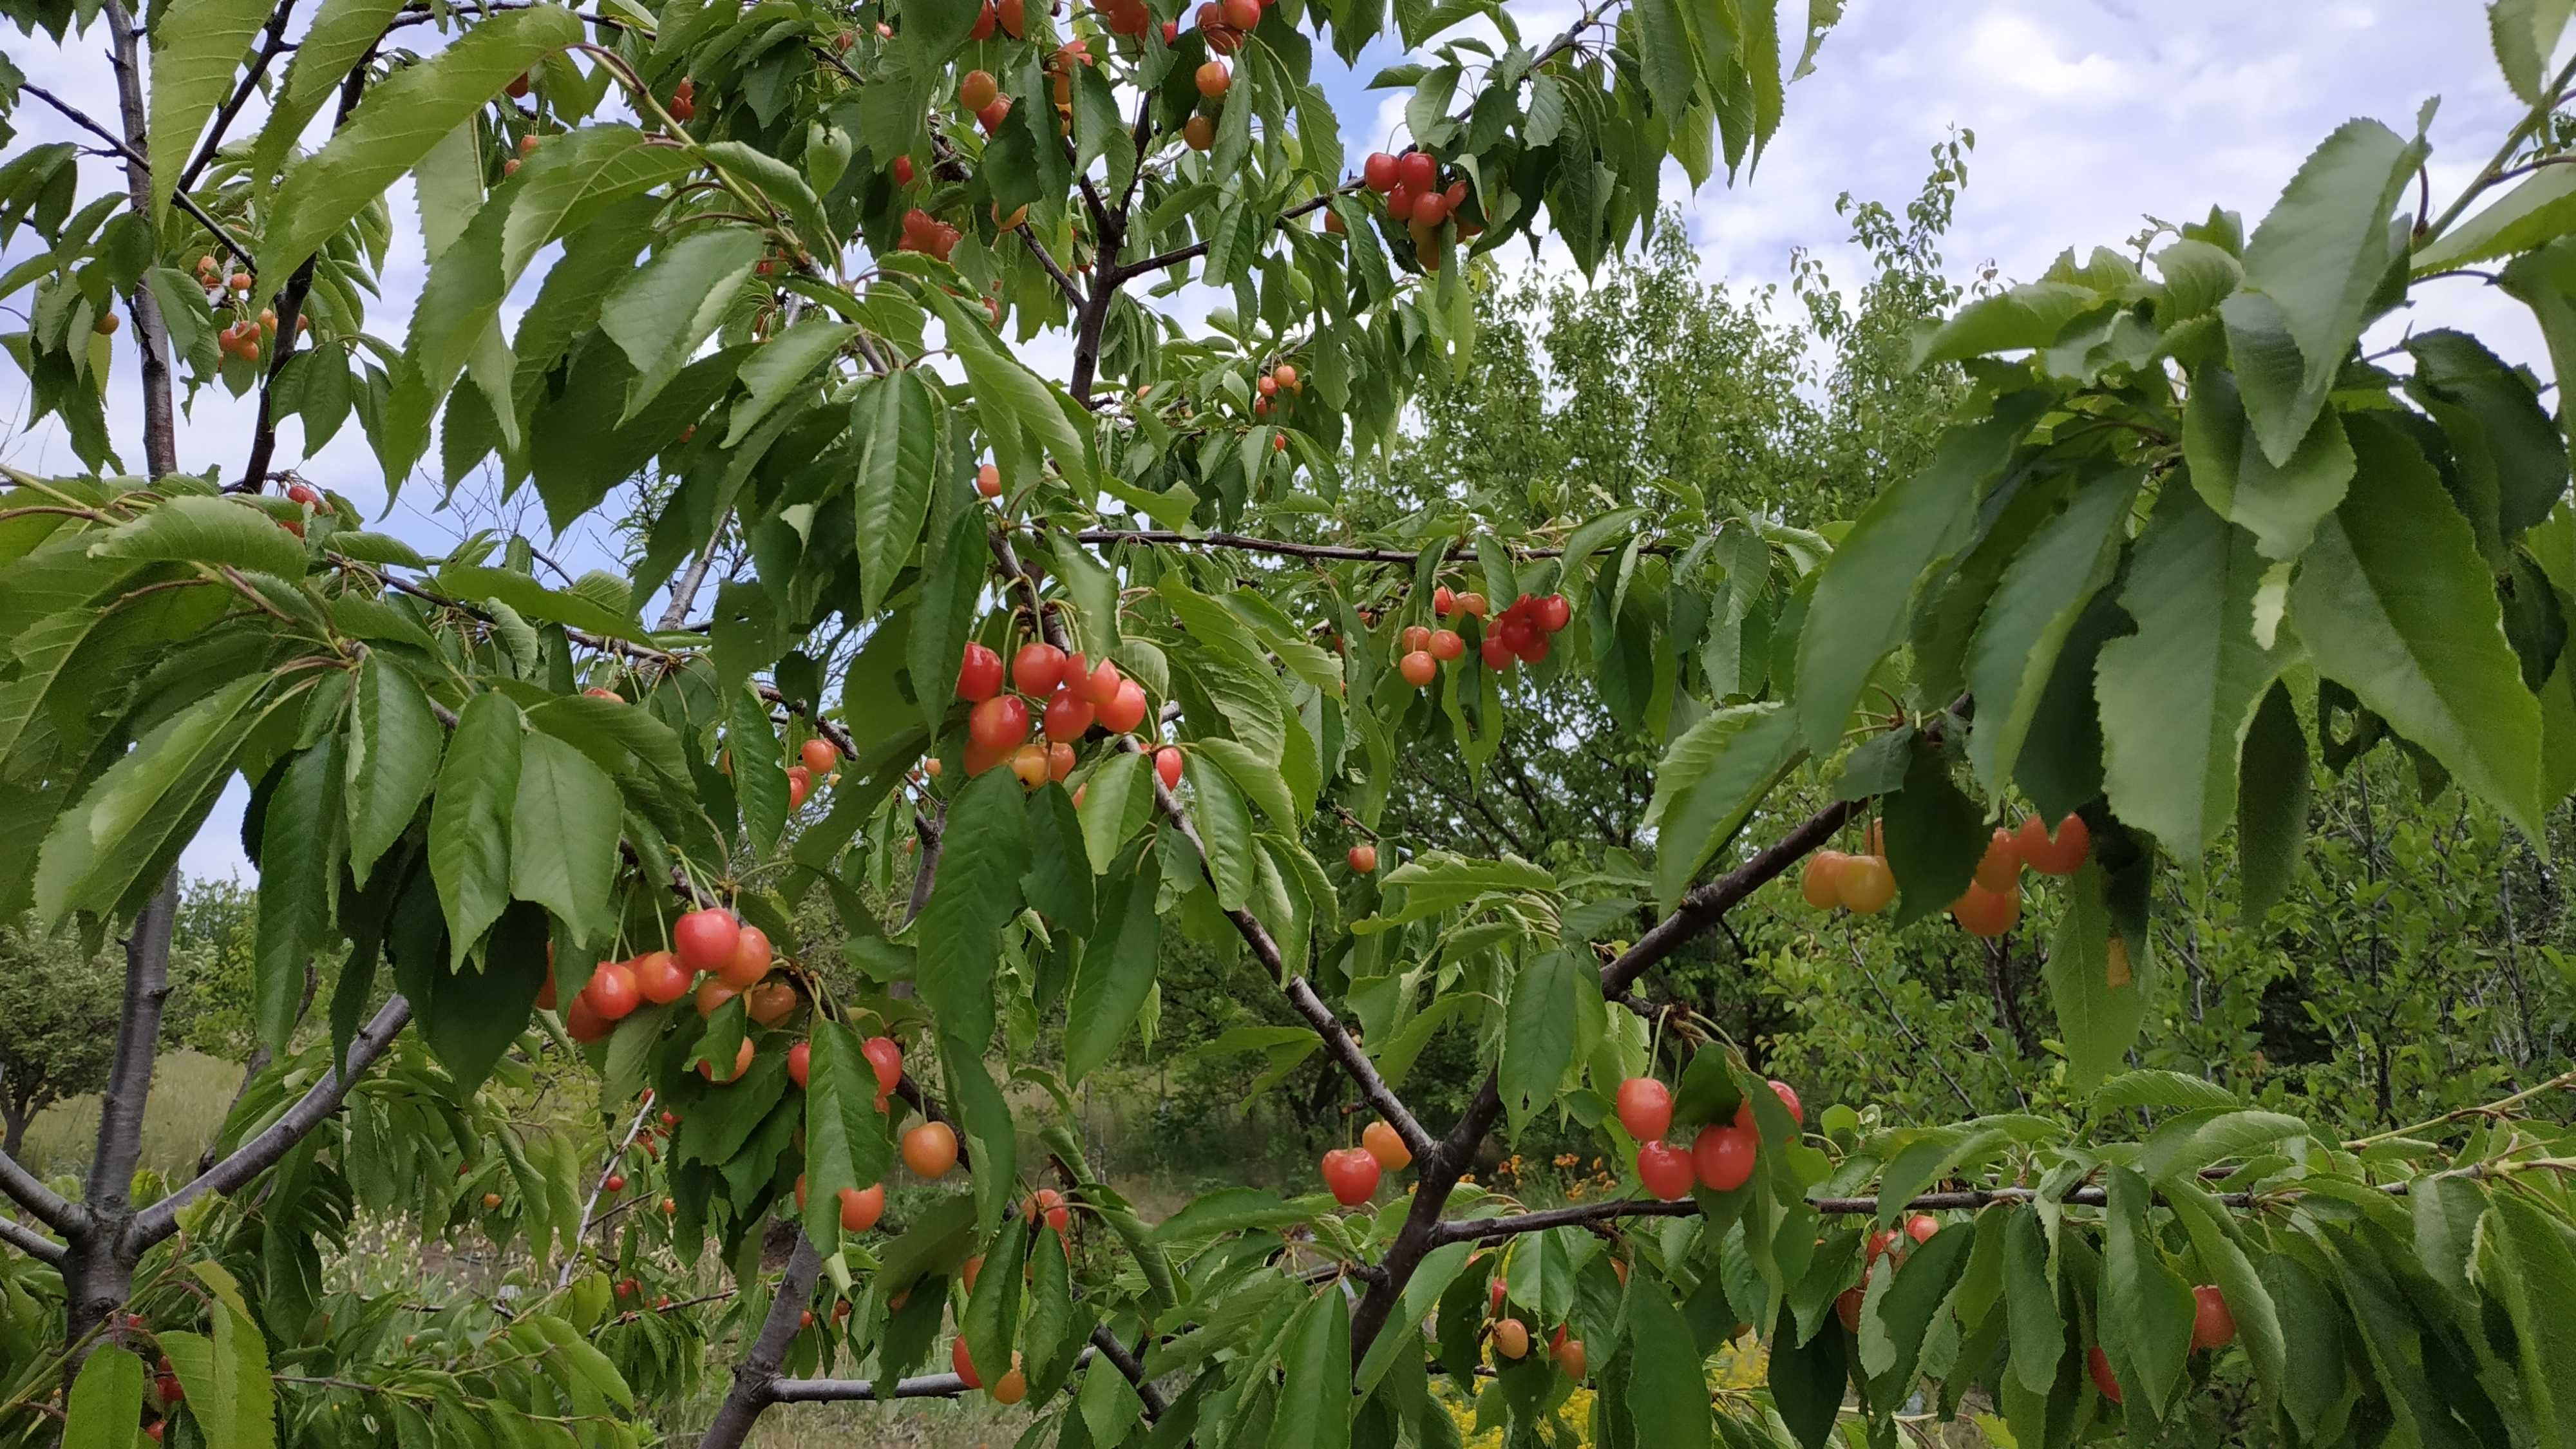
[2061,854]
[1213,78]
[1723,1157]
[1999,869]
[2213,1325]
[1473,604]
[1011,1387]
[2098,1364]
[1351,1174]
[1418,170]
[885,1056]
[1865,885]
[1122,714]
[713,994]
[1820,884]
[998,723]
[1429,211]
[800,1058]
[1241,14]
[978,89]
[819,756]
[611,992]
[1059,762]
[1665,1170]
[1014,17]
[741,1063]
[988,481]
[903,171]
[1446,644]
[1986,914]
[491,1200]
[1400,202]
[1554,613]
[770,1003]
[1413,637]
[861,1207]
[930,1150]
[1037,669]
[705,938]
[1645,1108]
[748,961]
[1511,1338]
[979,676]
[660,977]
[965,1366]
[1382,1142]
[1031,763]
[1418,668]
[1847,1308]
[1068,716]
[1167,765]
[1378,172]
[1100,685]
[1921,1227]
[1363,859]
[1047,1205]
[1496,654]
[614,1183]
[1444,602]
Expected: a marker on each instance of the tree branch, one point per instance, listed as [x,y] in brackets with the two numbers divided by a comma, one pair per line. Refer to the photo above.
[598,1185]
[30,1242]
[1127,1363]
[1164,537]
[46,1205]
[262,1152]
[138,1041]
[134,162]
[1199,248]
[270,47]
[756,1384]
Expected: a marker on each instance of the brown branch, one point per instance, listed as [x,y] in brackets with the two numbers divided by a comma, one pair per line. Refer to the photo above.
[1199,248]
[134,162]
[756,1384]
[1133,1367]
[271,46]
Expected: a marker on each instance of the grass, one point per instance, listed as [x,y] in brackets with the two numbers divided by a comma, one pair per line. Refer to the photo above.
[190,1094]
[975,1422]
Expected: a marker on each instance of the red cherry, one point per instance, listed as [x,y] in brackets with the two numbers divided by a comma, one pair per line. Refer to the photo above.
[1351,1174]
[749,960]
[1378,172]
[660,977]
[800,1059]
[301,493]
[1665,1170]
[1645,1108]
[979,677]
[1496,653]
[1418,668]
[1037,669]
[861,1207]
[2098,1364]
[1444,601]
[1363,858]
[998,723]
[988,481]
[1447,644]
[1723,1157]
[1124,713]
[1167,764]
[1099,686]
[2213,1325]
[1789,1099]
[903,171]
[1068,716]
[1046,1204]
[2060,854]
[885,1055]
[615,1183]
[1417,170]
[819,756]
[611,992]
[1554,613]
[1921,1227]
[964,1366]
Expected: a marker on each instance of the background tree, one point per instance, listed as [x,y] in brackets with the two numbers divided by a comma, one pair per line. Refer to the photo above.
[57,1025]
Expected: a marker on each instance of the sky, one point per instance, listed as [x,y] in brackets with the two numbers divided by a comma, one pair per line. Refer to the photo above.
[2089,117]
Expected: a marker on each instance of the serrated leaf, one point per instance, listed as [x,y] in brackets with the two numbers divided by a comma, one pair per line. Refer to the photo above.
[469,818]
[151,797]
[1225,830]
[194,529]
[2096,1020]
[899,422]
[2034,607]
[1538,1034]
[660,313]
[196,47]
[1117,969]
[106,1400]
[984,854]
[2271,805]
[302,841]
[563,836]
[2535,1279]
[1710,780]
[395,746]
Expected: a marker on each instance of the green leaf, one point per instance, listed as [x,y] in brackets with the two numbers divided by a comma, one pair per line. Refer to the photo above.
[782,185]
[778,366]
[563,837]
[1712,777]
[302,840]
[954,576]
[533,600]
[2146,1306]
[2538,210]
[2508,456]
[1120,798]
[1315,1399]
[2095,1020]
[2310,269]
[1225,829]
[196,47]
[1892,1335]
[2037,1333]
[1257,778]
[1859,608]
[191,528]
[2271,805]
[846,1133]
[2526,33]
[985,852]
[2258,1325]
[1538,1034]
[992,1317]
[2281,506]
[984,1119]
[2184,1145]
[1666,1385]
[394,750]
[1935,836]
[897,463]
[2534,1276]
[2027,316]
[2034,607]
[1117,969]
[1110,1406]
[2178,696]
[400,119]
[2394,603]
[144,807]
[759,780]
[2314,1375]
[660,312]
[1010,399]
[2158,1088]
[105,1401]
[1806,1381]
[1431,1278]
[470,815]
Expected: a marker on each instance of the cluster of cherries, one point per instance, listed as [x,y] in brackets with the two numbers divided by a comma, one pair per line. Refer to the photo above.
[1992,902]
[1078,694]
[1720,1158]
[712,954]
[982,95]
[1521,634]
[1410,184]
[1269,385]
[684,101]
[1511,1337]
[1010,16]
[1351,1173]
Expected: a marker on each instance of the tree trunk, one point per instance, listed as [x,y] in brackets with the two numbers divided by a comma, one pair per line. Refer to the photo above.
[13,1127]
[754,1376]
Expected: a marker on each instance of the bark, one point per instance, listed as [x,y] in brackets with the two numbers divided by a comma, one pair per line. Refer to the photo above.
[755,1378]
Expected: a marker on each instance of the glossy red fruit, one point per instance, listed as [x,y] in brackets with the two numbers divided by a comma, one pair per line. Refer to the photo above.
[1213,79]
[1847,1308]
[1723,1157]
[1985,914]
[1418,668]
[1446,644]
[705,938]
[1351,1175]
[1100,685]
[885,1056]
[861,1207]
[1554,613]
[1059,762]
[660,977]
[819,756]
[1418,170]
[979,675]
[770,1003]
[749,961]
[930,1149]
[1999,869]
[1645,1108]
[1037,669]
[978,89]
[1496,653]
[1400,202]
[1068,716]
[713,994]
[1378,172]
[1122,714]
[1363,859]
[1922,1227]
[988,481]
[800,1059]
[903,171]
[614,1183]
[611,992]
[1047,1205]
[2059,854]
[2098,1364]
[1444,601]
[964,1365]
[1665,1170]
[303,494]
[998,723]
[1167,765]
[2213,1325]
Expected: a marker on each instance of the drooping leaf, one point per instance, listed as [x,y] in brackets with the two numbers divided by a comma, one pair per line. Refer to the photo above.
[1710,780]
[661,312]
[897,464]
[1117,969]
[2096,1019]
[302,842]
[984,851]
[395,746]
[563,836]
[2035,606]
[470,815]
[196,47]
[1538,1034]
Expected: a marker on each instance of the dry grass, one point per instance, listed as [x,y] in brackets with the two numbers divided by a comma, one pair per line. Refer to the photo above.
[971,1423]
[190,1093]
